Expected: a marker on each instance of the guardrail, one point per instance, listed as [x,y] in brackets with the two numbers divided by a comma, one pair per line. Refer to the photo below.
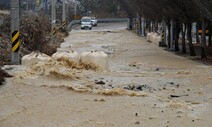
[73,23]
[105,20]
[102,20]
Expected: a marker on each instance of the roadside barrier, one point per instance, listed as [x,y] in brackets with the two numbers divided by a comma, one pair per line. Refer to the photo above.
[104,20]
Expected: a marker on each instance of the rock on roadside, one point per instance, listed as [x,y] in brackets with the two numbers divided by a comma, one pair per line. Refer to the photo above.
[3,75]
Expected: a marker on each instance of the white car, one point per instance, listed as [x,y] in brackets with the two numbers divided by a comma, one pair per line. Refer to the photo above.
[86,23]
[94,21]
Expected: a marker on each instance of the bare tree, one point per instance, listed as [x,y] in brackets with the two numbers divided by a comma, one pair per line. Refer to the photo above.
[183,12]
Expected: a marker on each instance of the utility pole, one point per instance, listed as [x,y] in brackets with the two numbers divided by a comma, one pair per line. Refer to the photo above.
[140,25]
[75,8]
[53,17]
[67,18]
[130,22]
[37,7]
[164,35]
[172,37]
[21,8]
[118,8]
[64,15]
[15,35]
[27,5]
[45,4]
[137,24]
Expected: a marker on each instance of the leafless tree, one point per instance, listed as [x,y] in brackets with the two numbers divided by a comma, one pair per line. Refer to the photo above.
[183,12]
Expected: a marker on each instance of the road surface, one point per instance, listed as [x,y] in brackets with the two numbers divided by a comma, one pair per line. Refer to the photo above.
[145,86]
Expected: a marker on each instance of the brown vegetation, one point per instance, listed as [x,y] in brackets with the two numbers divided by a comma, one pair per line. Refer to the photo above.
[35,36]
[34,30]
[5,44]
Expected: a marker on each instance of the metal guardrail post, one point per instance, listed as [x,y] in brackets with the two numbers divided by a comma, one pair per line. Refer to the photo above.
[64,15]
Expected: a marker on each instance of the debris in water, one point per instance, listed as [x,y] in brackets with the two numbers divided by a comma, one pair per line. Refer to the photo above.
[171,83]
[200,93]
[137,122]
[100,100]
[195,103]
[151,118]
[121,92]
[100,82]
[139,88]
[109,49]
[176,96]
[157,69]
[178,116]
[135,64]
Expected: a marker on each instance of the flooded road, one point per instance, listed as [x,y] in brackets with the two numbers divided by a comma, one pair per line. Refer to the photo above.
[145,86]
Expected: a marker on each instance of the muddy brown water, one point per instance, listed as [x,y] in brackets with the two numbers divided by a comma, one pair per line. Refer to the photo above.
[177,91]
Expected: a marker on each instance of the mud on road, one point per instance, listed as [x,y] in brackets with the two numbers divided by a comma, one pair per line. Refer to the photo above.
[145,86]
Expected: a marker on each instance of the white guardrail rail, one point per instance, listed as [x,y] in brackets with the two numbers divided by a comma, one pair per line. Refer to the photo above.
[103,20]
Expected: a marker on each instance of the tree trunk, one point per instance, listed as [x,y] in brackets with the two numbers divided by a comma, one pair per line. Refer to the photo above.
[209,40]
[150,26]
[169,35]
[197,33]
[137,24]
[140,26]
[177,32]
[130,23]
[153,26]
[203,44]
[156,26]
[183,39]
[210,34]
[189,36]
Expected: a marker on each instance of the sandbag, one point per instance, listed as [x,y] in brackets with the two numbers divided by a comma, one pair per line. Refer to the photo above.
[34,57]
[157,39]
[148,36]
[71,56]
[152,35]
[154,38]
[98,58]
